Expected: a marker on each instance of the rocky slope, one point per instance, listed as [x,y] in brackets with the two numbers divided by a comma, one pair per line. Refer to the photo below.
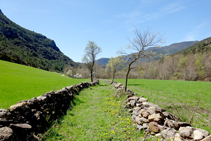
[23,46]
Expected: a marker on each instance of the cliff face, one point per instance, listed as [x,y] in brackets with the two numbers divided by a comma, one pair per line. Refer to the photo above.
[23,46]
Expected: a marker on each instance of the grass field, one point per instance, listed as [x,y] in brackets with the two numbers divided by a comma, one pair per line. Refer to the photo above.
[97,115]
[179,97]
[18,82]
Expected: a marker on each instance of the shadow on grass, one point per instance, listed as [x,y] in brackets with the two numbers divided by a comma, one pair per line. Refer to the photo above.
[135,84]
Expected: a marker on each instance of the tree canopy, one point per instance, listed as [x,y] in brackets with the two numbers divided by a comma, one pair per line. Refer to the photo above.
[89,58]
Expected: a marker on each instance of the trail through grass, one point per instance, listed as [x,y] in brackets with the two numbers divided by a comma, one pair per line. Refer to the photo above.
[177,96]
[97,115]
[19,82]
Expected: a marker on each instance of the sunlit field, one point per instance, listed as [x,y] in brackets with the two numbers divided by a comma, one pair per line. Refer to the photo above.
[19,82]
[186,99]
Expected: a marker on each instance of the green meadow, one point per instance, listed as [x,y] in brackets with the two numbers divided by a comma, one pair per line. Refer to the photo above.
[96,116]
[189,100]
[19,82]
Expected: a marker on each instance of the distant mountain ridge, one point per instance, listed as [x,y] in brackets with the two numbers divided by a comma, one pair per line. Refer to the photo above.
[171,49]
[23,46]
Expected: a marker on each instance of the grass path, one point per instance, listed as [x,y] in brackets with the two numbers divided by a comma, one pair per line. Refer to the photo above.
[97,115]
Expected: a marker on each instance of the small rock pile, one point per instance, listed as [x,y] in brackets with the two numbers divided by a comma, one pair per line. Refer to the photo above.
[28,118]
[158,122]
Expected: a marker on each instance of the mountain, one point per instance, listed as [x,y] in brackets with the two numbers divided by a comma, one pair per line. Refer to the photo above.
[103,61]
[199,47]
[23,46]
[171,49]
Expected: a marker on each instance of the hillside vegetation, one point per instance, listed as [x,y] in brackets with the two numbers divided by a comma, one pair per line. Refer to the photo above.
[192,64]
[26,47]
[200,47]
[171,49]
[19,82]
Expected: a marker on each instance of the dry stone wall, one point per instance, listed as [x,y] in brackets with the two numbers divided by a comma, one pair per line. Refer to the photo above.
[157,121]
[28,118]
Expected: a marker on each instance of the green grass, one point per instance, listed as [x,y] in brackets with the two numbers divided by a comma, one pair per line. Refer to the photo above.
[97,115]
[178,97]
[18,82]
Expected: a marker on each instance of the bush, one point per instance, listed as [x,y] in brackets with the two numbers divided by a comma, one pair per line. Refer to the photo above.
[77,75]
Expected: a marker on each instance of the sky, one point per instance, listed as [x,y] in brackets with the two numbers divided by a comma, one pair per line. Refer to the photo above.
[109,23]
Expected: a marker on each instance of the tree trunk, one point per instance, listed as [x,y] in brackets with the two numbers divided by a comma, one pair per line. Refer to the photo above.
[113,78]
[126,79]
[91,76]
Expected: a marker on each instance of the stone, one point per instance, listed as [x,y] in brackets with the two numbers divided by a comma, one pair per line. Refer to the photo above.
[151,110]
[141,100]
[3,113]
[168,134]
[144,113]
[207,138]
[117,85]
[128,105]
[146,125]
[13,107]
[199,134]
[130,110]
[41,98]
[6,134]
[138,105]
[155,117]
[140,127]
[133,118]
[24,126]
[170,116]
[136,111]
[132,98]
[171,124]
[132,103]
[138,120]
[186,132]
[144,120]
[158,135]
[177,137]
[153,127]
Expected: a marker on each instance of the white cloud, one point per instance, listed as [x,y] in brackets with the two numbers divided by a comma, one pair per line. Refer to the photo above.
[191,36]
[137,17]
[176,9]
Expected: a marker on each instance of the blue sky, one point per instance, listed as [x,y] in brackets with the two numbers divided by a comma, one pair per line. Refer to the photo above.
[72,23]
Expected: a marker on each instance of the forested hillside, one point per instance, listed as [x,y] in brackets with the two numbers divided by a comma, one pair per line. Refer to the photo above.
[192,63]
[171,49]
[23,46]
[200,47]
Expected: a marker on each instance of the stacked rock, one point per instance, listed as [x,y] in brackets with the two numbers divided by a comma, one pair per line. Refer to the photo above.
[158,122]
[26,119]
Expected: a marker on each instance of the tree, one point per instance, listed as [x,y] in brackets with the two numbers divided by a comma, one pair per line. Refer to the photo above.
[140,43]
[91,52]
[114,64]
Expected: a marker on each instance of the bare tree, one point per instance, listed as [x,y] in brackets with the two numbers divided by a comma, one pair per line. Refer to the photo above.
[140,43]
[91,52]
